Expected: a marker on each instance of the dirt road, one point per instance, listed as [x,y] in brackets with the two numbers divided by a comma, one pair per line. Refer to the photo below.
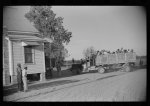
[129,86]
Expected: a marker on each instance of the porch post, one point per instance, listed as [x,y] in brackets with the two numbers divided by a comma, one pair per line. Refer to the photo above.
[10,60]
[42,75]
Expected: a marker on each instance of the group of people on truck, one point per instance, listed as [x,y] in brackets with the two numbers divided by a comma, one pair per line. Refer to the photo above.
[102,52]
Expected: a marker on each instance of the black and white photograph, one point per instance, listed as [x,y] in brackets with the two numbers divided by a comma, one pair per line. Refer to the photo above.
[74,53]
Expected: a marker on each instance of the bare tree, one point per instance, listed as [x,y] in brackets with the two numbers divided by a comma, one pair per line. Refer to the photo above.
[89,53]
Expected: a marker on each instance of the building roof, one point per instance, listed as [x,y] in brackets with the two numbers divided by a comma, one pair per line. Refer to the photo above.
[26,36]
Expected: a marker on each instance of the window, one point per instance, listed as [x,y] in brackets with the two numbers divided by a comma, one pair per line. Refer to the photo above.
[29,54]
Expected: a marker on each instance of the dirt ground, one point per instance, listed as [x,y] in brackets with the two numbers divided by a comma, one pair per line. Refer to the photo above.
[129,86]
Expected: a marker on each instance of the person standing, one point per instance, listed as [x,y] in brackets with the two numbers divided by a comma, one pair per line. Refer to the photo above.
[88,62]
[19,77]
[84,66]
[58,66]
[24,78]
[73,61]
[82,61]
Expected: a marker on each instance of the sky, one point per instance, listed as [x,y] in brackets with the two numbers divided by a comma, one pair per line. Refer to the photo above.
[102,27]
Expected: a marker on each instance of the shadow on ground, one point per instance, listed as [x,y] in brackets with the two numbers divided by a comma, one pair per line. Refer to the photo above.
[107,77]
[51,84]
[8,90]
[39,86]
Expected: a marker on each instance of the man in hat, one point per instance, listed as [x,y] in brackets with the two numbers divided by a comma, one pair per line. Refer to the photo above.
[24,78]
[19,77]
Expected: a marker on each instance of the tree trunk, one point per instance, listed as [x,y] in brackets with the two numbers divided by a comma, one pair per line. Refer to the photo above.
[50,58]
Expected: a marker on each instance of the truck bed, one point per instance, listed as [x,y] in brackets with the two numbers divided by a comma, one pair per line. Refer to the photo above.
[115,58]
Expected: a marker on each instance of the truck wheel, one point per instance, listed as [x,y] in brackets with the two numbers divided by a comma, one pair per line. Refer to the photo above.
[101,70]
[127,69]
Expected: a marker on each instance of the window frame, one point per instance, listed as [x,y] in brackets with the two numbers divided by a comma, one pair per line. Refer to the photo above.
[33,55]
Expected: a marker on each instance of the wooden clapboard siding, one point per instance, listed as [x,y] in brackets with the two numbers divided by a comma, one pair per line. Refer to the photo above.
[18,54]
[6,75]
[17,57]
[39,62]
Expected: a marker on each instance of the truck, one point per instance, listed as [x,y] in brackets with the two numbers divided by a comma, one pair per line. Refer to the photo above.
[121,61]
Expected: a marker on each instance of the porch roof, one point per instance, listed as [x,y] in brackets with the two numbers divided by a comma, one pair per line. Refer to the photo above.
[30,43]
[25,36]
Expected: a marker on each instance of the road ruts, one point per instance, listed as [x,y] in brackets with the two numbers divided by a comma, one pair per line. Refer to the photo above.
[124,87]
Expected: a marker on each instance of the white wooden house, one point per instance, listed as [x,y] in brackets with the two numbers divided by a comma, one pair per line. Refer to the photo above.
[25,48]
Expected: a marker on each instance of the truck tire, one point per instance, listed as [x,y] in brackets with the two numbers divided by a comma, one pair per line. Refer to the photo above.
[101,70]
[127,68]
